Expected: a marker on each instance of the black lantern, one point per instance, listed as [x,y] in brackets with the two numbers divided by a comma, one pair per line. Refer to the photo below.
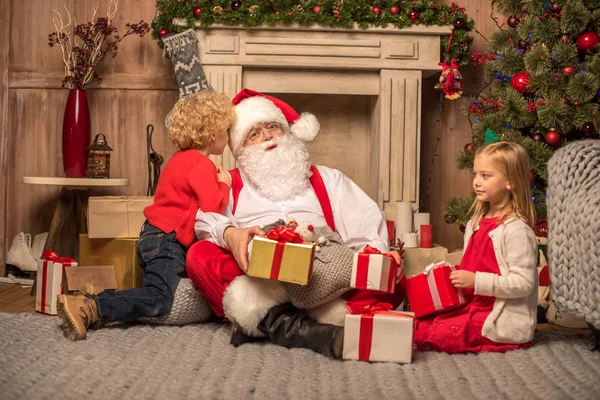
[98,165]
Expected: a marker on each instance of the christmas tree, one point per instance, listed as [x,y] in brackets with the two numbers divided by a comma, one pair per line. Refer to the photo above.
[542,69]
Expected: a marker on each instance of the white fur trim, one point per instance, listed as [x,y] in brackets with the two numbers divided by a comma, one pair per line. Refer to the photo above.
[333,312]
[250,112]
[247,300]
[306,127]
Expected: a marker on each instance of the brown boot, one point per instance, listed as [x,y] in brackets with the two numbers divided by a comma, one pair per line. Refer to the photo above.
[78,313]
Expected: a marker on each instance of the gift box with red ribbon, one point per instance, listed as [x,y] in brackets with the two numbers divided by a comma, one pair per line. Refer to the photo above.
[432,291]
[374,333]
[282,256]
[372,270]
[49,281]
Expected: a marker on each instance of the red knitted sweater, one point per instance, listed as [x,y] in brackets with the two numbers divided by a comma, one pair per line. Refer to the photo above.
[187,183]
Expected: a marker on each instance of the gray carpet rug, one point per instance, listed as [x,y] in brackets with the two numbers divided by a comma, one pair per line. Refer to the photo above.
[196,362]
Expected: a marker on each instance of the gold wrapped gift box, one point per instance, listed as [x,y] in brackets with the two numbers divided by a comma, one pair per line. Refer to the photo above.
[121,253]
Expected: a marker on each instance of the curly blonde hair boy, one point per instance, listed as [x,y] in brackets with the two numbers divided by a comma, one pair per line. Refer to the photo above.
[195,117]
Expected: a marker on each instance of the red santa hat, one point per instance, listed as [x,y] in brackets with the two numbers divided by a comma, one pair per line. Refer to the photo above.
[253,107]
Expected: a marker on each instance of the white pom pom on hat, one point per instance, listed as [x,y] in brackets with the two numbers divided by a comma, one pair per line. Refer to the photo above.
[252,107]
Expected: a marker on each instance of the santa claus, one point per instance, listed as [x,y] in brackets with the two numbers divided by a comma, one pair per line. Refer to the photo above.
[276,180]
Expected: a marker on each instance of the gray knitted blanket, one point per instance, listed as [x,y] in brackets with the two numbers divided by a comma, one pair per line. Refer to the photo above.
[197,362]
[574,229]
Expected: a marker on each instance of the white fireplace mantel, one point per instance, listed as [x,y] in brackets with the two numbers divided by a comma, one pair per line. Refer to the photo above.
[386,64]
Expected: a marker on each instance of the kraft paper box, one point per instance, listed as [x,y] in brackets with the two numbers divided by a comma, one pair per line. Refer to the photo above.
[416,259]
[49,285]
[432,292]
[373,272]
[116,216]
[282,261]
[122,253]
[455,257]
[383,336]
[102,277]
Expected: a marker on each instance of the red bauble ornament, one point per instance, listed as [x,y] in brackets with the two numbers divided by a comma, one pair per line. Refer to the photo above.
[469,147]
[523,45]
[587,41]
[531,177]
[236,4]
[197,11]
[513,22]
[395,10]
[588,129]
[317,9]
[462,228]
[337,15]
[519,81]
[376,10]
[552,138]
[556,9]
[163,32]
[460,23]
[414,15]
[569,70]
[538,138]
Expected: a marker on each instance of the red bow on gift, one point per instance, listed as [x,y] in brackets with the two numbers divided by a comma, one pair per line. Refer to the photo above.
[284,234]
[368,308]
[372,250]
[49,255]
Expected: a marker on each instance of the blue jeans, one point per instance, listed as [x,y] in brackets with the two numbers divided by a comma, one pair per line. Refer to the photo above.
[163,259]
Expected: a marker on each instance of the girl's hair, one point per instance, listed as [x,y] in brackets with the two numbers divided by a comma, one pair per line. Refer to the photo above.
[512,160]
[195,117]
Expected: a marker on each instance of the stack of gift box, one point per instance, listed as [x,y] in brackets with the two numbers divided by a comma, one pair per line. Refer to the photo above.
[107,253]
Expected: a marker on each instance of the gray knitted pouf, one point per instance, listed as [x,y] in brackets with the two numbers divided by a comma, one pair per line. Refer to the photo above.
[189,307]
[574,229]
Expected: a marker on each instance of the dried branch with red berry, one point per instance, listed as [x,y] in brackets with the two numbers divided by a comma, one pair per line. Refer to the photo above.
[89,44]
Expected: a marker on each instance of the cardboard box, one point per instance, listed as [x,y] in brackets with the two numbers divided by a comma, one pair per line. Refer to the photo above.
[455,257]
[102,277]
[373,272]
[116,216]
[432,292]
[381,336]
[122,253]
[416,259]
[282,261]
[50,284]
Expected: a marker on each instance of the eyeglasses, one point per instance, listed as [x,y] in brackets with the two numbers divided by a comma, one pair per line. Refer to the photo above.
[258,132]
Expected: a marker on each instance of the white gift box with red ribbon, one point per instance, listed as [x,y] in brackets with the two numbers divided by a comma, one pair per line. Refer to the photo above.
[49,281]
[373,271]
[432,291]
[379,335]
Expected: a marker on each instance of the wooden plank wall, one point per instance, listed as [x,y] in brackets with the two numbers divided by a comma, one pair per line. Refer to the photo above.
[139,88]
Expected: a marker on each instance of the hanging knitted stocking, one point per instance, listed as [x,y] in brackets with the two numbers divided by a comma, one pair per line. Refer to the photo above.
[182,49]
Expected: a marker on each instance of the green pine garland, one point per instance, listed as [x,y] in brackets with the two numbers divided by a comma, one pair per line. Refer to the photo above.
[332,13]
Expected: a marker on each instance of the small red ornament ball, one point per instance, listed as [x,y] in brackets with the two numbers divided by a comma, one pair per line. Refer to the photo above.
[236,4]
[163,32]
[462,228]
[414,15]
[556,9]
[469,147]
[317,9]
[337,15]
[197,11]
[552,138]
[587,41]
[538,138]
[531,177]
[569,70]
[513,22]
[460,23]
[519,81]
[588,129]
[376,10]
[395,10]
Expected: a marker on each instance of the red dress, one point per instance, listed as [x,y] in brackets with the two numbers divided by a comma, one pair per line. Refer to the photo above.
[459,330]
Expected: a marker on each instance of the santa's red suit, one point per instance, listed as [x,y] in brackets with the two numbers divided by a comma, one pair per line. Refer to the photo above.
[245,299]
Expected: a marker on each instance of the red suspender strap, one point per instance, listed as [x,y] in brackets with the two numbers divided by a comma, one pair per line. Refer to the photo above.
[236,186]
[319,187]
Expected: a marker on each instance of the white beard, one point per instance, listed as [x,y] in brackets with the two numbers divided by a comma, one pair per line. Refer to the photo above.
[278,174]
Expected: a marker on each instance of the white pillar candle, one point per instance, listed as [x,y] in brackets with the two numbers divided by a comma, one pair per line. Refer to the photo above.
[403,218]
[421,218]
[410,240]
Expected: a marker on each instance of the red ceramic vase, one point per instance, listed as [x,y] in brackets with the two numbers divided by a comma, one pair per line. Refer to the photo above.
[76,134]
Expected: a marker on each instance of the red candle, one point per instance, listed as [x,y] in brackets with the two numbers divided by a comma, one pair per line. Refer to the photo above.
[426,236]
[391,228]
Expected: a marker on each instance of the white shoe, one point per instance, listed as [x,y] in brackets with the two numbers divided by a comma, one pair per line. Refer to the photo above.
[20,254]
[39,242]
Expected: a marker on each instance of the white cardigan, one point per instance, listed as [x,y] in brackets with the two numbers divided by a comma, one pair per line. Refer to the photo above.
[514,315]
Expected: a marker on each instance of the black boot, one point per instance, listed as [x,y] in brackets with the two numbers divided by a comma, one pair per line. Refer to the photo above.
[596,333]
[290,327]
[239,337]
